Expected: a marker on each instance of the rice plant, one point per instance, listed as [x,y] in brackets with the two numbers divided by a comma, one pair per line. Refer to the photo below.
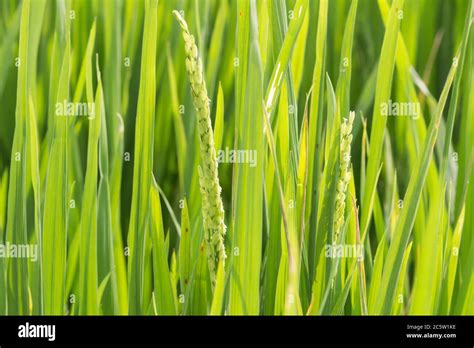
[236,157]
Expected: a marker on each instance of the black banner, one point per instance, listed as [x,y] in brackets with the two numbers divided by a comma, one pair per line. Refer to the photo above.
[136,331]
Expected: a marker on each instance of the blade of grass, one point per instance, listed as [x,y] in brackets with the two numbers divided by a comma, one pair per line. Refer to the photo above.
[382,95]
[33,149]
[16,233]
[244,297]
[143,163]
[88,281]
[315,137]
[109,246]
[57,190]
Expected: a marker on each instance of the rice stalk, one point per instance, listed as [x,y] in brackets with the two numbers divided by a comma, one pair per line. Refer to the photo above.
[344,173]
[212,207]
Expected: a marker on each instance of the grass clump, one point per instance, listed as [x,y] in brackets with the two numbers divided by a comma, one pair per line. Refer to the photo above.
[126,207]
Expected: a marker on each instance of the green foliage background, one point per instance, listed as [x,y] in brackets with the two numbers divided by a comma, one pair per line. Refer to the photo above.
[113,202]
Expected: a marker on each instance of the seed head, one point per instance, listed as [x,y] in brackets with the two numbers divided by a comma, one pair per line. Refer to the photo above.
[344,173]
[212,207]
